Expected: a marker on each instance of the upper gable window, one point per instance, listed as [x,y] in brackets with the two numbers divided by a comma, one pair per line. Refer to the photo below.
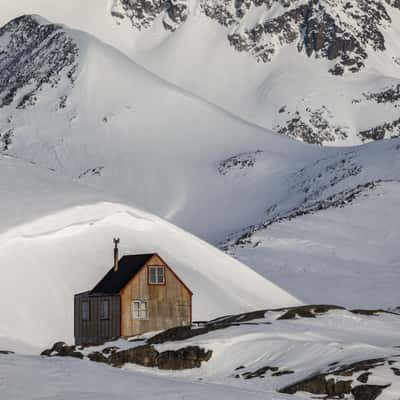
[156,275]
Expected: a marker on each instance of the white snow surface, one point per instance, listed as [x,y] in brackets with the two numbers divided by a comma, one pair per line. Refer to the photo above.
[69,248]
[141,143]
[153,145]
[304,346]
[234,80]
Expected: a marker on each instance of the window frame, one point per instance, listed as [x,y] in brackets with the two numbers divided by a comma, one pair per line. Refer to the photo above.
[157,275]
[105,317]
[136,314]
[83,313]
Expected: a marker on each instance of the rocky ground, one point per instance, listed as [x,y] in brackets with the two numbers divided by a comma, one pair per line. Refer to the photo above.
[317,350]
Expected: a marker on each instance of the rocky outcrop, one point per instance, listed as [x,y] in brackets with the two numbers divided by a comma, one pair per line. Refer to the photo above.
[142,13]
[33,55]
[328,384]
[142,355]
[6,352]
[238,162]
[340,31]
[311,126]
[61,349]
[309,311]
[340,199]
[388,129]
[146,355]
[261,372]
[186,358]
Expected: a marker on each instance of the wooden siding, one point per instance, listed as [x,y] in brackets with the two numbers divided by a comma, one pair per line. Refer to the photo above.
[169,305]
[96,330]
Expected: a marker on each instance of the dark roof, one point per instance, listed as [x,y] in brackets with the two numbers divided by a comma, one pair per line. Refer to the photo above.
[128,266]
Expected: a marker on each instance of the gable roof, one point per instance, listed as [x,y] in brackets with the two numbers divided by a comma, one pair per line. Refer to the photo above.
[128,266]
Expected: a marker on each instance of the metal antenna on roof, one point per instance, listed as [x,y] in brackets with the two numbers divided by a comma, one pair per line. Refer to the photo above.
[116,242]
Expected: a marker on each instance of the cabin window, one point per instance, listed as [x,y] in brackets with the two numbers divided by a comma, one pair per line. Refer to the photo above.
[140,310]
[85,311]
[156,275]
[104,309]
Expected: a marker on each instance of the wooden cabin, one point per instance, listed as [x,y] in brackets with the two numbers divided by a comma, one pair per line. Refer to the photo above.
[141,293]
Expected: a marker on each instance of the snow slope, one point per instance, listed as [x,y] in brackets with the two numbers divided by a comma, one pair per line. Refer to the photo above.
[26,378]
[63,245]
[333,237]
[94,115]
[275,79]
[253,358]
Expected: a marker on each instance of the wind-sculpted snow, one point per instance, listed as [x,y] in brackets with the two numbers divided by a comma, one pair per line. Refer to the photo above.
[33,55]
[55,241]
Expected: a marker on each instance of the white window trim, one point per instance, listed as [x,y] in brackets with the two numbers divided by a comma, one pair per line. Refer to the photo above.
[137,313]
[157,274]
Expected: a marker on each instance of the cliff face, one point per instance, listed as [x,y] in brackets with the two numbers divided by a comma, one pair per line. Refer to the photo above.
[335,30]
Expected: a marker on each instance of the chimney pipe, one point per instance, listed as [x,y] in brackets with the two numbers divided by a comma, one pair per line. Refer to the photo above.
[116,241]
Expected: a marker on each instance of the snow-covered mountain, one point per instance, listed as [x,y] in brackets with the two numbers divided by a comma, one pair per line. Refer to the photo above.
[322,71]
[333,235]
[79,107]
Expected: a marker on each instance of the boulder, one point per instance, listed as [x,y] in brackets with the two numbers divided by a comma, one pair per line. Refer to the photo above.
[185,358]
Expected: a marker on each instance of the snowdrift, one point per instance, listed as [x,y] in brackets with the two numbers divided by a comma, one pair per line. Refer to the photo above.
[44,262]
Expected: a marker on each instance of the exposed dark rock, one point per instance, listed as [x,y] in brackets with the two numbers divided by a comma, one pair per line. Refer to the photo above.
[309,311]
[110,350]
[317,27]
[184,332]
[367,392]
[363,378]
[388,95]
[379,132]
[315,126]
[365,365]
[6,139]
[34,55]
[238,162]
[61,349]
[97,357]
[146,355]
[259,372]
[142,13]
[6,352]
[283,372]
[396,371]
[367,312]
[142,355]
[186,358]
[309,206]
[320,385]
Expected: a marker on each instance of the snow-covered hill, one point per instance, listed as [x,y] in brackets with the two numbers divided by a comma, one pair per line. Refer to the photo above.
[283,354]
[322,71]
[333,236]
[56,240]
[148,144]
